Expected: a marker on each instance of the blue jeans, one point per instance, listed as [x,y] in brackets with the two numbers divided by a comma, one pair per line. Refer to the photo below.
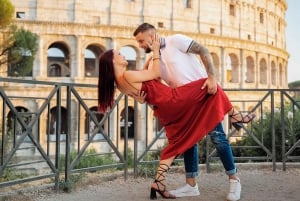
[224,151]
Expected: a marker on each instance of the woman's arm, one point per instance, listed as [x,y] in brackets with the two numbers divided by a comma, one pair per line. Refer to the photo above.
[143,75]
[149,73]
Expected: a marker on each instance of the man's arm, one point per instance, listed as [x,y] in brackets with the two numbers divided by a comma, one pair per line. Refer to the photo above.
[207,60]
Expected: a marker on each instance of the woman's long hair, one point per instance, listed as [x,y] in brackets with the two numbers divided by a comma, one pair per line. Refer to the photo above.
[106,82]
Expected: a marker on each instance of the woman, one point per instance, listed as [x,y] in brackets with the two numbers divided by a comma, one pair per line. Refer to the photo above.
[186,112]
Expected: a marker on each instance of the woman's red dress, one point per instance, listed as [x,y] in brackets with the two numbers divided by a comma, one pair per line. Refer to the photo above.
[188,113]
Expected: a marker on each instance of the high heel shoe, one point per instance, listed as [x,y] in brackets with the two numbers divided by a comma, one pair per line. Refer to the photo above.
[238,124]
[158,181]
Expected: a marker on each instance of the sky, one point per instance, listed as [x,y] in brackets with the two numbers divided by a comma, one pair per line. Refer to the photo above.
[293,39]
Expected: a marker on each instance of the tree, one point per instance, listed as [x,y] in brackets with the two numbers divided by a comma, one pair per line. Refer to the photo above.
[6,13]
[21,53]
[18,51]
[19,46]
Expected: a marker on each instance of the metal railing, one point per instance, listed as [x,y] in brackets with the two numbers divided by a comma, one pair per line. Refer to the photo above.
[28,145]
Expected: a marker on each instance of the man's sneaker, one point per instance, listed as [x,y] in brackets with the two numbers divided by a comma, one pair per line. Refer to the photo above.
[234,190]
[185,191]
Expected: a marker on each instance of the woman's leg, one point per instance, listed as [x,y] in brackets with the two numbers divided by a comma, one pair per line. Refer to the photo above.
[158,184]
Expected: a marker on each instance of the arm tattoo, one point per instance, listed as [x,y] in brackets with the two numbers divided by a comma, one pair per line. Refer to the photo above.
[205,56]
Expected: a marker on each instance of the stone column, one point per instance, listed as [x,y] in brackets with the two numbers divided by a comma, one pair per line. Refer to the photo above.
[242,67]
[222,66]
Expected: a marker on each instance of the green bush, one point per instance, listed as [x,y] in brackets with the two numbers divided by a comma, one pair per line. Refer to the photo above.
[10,174]
[90,158]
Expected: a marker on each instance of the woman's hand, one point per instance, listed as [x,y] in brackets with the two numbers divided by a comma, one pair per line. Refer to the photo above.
[140,97]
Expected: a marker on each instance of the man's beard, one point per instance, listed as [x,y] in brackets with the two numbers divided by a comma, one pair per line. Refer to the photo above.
[148,50]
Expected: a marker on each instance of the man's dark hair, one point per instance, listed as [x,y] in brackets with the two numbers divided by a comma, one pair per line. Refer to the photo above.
[142,28]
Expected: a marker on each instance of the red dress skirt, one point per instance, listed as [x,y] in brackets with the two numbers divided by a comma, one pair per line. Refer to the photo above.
[188,112]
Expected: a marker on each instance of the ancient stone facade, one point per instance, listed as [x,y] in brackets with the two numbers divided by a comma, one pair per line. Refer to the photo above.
[245,37]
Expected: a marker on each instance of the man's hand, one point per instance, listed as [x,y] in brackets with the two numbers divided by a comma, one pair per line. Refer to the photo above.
[211,85]
[140,97]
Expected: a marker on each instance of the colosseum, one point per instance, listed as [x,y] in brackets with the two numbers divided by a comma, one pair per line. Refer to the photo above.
[246,39]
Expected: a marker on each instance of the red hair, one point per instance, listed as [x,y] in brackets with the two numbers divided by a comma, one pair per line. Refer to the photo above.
[106,81]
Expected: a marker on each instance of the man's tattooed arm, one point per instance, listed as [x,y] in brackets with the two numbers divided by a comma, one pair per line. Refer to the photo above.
[205,56]
[210,83]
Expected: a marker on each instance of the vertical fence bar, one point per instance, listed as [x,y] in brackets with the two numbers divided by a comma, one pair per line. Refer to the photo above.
[282,130]
[135,145]
[126,139]
[68,136]
[57,142]
[273,131]
[3,132]
[207,155]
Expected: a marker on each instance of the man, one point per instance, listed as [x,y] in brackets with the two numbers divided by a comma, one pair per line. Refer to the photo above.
[179,65]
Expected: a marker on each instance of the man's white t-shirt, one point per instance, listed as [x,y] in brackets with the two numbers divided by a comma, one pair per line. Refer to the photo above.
[179,67]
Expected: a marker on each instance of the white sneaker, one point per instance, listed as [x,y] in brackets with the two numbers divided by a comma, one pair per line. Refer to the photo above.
[234,190]
[185,191]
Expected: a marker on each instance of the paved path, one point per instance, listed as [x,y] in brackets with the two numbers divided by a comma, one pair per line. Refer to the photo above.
[258,184]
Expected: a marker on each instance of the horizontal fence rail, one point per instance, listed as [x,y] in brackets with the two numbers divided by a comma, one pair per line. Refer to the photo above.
[53,130]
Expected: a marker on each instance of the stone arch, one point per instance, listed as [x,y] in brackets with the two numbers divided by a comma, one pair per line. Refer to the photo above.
[130,122]
[232,68]
[52,123]
[250,70]
[14,127]
[90,125]
[216,61]
[58,60]
[273,73]
[130,54]
[91,60]
[281,74]
[263,71]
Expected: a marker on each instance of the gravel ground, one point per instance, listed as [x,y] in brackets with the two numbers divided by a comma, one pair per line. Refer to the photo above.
[258,184]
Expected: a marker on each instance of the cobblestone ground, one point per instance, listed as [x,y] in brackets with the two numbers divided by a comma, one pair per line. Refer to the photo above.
[258,184]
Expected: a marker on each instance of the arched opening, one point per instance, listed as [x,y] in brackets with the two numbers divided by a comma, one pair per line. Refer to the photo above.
[263,72]
[273,73]
[234,68]
[58,61]
[14,127]
[91,60]
[90,125]
[130,56]
[130,123]
[54,70]
[52,126]
[250,70]
[280,74]
[216,61]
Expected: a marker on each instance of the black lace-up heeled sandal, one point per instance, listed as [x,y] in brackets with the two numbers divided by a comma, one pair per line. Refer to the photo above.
[239,119]
[159,186]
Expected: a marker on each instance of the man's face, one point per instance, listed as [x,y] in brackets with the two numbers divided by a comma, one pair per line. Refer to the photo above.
[144,39]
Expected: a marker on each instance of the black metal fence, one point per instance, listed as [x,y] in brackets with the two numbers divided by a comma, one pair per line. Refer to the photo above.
[48,130]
